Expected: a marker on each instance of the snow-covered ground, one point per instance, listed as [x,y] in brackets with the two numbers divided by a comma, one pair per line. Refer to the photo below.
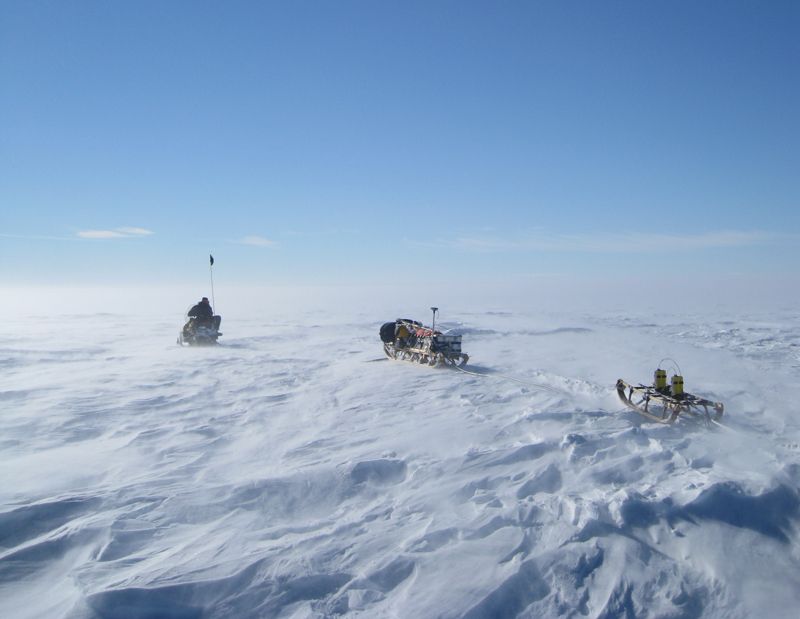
[295,472]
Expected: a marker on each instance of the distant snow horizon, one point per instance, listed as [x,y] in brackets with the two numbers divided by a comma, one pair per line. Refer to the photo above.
[412,293]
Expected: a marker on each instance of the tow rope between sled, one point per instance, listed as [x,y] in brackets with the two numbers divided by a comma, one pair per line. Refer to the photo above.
[516,380]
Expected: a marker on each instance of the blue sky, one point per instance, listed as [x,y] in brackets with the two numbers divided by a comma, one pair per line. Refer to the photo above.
[311,142]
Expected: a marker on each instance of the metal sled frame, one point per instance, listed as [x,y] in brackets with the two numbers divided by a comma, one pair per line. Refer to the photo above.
[666,408]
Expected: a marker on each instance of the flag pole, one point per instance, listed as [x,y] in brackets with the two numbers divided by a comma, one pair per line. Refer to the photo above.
[211,274]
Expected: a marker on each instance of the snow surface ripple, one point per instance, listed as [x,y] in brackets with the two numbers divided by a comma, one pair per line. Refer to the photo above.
[290,473]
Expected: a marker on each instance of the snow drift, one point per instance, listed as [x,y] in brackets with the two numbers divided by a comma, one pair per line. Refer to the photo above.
[294,472]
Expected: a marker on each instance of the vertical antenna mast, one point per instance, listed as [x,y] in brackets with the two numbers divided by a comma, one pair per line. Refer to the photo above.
[211,274]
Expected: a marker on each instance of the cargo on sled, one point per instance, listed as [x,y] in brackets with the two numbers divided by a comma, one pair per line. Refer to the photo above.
[409,340]
[664,402]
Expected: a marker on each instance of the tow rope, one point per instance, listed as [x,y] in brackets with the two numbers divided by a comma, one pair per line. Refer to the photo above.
[516,380]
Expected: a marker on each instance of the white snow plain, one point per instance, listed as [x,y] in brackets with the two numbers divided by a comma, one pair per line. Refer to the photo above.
[293,471]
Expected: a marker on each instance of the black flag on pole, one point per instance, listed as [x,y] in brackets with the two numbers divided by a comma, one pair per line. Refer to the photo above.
[211,260]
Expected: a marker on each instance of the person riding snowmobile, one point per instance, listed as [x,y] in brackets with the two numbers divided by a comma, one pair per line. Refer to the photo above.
[201,314]
[201,309]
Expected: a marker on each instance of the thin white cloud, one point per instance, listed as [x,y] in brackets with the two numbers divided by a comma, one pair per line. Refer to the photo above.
[257,241]
[631,242]
[116,233]
[135,231]
[100,234]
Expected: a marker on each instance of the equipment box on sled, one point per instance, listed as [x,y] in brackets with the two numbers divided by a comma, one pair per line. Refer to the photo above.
[409,340]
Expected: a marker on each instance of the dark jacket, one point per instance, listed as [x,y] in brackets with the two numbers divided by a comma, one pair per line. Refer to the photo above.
[201,310]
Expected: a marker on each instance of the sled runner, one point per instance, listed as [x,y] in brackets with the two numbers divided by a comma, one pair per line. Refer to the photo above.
[409,340]
[665,403]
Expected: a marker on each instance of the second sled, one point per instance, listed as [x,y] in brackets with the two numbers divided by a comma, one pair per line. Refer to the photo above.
[665,403]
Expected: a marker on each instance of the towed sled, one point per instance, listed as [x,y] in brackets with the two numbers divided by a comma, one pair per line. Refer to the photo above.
[409,340]
[200,331]
[665,403]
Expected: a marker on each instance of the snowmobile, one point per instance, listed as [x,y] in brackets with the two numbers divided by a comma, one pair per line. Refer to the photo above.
[664,403]
[409,340]
[200,331]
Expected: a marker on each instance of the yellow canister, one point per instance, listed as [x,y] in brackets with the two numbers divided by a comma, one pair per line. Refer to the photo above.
[660,379]
[677,385]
